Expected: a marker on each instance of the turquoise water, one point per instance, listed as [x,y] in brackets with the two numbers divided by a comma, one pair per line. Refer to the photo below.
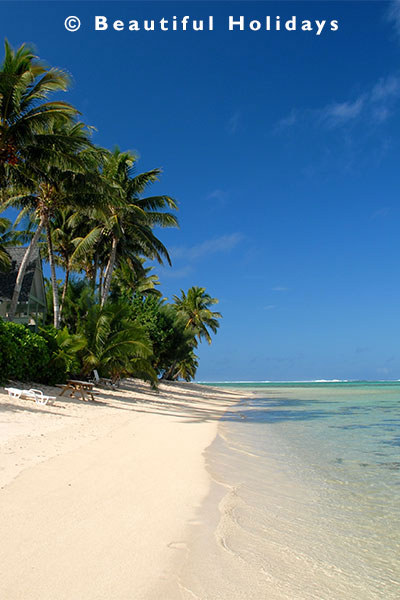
[309,505]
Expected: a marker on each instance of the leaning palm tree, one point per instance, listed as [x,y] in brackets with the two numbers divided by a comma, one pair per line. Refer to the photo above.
[25,112]
[67,177]
[194,307]
[187,368]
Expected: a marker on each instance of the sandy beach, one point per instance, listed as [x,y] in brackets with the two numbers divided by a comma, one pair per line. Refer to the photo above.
[96,497]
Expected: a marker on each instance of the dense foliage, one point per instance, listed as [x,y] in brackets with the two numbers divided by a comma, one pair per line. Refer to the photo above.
[23,355]
[89,211]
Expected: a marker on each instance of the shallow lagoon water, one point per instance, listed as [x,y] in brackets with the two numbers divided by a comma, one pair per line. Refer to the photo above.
[307,484]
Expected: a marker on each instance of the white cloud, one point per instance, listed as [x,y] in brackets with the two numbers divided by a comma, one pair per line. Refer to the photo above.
[219,197]
[393,15]
[382,212]
[169,273]
[374,106]
[280,288]
[386,88]
[269,307]
[383,370]
[341,112]
[233,123]
[224,243]
[288,121]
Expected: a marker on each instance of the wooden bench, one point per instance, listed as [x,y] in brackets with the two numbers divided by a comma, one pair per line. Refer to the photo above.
[79,389]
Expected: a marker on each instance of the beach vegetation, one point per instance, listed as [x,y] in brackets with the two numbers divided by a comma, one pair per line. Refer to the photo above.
[90,212]
[172,342]
[115,345]
[26,113]
[24,355]
[195,308]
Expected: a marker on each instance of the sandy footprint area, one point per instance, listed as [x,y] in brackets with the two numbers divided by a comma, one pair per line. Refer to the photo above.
[95,497]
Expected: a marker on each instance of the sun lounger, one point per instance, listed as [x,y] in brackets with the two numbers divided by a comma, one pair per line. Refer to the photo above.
[36,395]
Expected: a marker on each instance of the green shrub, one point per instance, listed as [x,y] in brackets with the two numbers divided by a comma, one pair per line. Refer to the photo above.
[65,350]
[24,355]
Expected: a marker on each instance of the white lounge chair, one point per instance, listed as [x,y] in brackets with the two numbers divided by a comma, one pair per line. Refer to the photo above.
[36,395]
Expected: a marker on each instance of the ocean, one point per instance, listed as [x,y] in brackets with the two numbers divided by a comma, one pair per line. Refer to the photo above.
[305,502]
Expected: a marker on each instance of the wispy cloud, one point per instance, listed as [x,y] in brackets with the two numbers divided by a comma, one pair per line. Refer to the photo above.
[382,212]
[383,370]
[269,307]
[218,197]
[288,121]
[280,288]
[374,106]
[340,113]
[393,15]
[225,243]
[233,123]
[362,349]
[169,273]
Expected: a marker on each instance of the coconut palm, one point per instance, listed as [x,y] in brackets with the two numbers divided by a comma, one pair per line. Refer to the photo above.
[129,280]
[25,84]
[186,368]
[68,177]
[123,225]
[194,307]
[66,228]
[133,225]
[115,345]
[78,302]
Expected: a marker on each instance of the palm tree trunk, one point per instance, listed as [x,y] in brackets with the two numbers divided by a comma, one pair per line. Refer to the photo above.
[95,267]
[56,302]
[109,271]
[101,279]
[64,292]
[22,270]
[169,373]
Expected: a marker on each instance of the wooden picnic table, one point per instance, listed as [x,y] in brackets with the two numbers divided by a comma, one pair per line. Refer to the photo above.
[79,389]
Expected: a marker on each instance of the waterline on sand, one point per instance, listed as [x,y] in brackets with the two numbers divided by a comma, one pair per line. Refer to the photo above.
[305,499]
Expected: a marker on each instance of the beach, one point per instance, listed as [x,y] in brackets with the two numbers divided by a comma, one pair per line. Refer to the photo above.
[305,498]
[278,491]
[96,497]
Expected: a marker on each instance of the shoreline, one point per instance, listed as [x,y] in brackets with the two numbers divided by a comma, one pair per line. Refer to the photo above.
[96,498]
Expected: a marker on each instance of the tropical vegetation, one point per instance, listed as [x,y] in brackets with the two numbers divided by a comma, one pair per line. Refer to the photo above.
[97,224]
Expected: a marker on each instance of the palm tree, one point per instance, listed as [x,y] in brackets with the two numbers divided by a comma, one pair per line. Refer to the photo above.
[78,302]
[187,367]
[8,237]
[195,309]
[129,280]
[25,84]
[115,345]
[133,225]
[66,229]
[66,177]
[123,225]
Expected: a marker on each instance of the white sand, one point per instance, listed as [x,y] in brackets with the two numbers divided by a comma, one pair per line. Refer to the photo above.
[95,497]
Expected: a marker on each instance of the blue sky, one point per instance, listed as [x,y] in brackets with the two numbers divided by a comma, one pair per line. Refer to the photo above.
[283,151]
